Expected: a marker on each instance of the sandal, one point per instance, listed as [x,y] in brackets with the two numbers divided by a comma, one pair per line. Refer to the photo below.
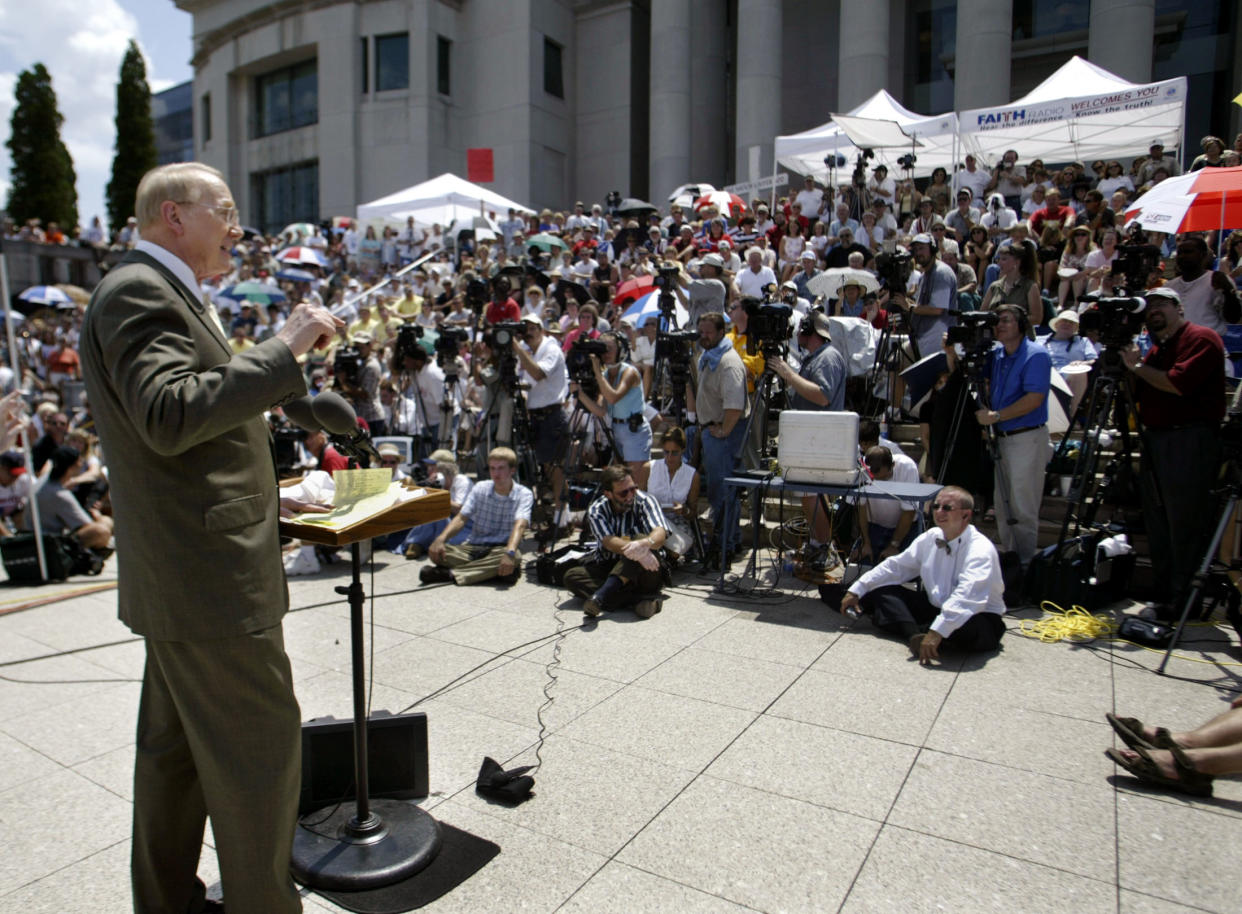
[1130,729]
[1188,780]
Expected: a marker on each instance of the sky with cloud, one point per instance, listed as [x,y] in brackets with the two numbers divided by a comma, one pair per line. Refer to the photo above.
[82,42]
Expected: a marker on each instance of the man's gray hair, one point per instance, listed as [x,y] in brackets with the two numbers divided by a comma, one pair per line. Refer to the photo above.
[182,182]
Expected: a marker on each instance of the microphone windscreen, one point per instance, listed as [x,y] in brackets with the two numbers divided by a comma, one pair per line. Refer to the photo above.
[301,414]
[335,414]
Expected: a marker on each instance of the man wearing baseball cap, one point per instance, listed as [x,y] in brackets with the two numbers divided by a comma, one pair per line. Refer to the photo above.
[1180,393]
[1157,159]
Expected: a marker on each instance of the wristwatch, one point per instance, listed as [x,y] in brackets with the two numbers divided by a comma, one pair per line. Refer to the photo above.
[511,553]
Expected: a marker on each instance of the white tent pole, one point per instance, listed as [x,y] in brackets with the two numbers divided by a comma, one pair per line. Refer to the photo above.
[36,523]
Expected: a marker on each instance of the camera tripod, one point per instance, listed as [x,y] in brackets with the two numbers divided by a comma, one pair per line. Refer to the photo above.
[973,393]
[887,365]
[575,463]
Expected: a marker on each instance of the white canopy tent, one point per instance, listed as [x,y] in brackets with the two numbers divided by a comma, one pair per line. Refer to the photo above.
[804,152]
[1079,113]
[442,200]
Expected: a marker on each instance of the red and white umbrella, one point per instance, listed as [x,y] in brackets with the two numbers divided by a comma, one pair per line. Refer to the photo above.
[303,255]
[1199,201]
[724,201]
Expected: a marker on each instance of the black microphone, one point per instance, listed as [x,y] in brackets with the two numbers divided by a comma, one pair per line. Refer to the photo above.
[301,413]
[341,422]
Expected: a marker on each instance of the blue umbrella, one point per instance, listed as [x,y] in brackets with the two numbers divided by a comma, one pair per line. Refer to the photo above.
[45,295]
[295,275]
[257,292]
[649,306]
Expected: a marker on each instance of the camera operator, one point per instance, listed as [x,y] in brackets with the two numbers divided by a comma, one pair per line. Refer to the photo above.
[502,307]
[1180,395]
[998,217]
[1008,179]
[720,403]
[818,384]
[1209,297]
[1020,378]
[425,386]
[543,368]
[363,390]
[935,298]
[706,294]
[620,402]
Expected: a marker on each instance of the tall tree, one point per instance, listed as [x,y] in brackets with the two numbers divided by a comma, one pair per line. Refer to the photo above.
[43,183]
[135,136]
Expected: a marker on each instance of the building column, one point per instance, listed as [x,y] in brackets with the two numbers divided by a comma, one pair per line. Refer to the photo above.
[984,51]
[711,131]
[671,124]
[1121,37]
[758,115]
[862,68]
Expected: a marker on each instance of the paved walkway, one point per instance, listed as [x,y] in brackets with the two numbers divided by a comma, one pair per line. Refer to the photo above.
[734,753]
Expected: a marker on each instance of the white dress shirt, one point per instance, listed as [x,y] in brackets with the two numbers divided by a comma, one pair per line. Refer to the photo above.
[961,578]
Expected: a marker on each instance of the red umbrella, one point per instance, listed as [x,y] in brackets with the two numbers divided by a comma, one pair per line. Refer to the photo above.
[724,201]
[633,288]
[1198,201]
[302,255]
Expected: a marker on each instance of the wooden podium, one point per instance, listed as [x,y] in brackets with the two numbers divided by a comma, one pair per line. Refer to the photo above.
[381,842]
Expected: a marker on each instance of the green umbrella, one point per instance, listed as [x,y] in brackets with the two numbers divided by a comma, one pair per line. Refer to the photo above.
[255,292]
[547,242]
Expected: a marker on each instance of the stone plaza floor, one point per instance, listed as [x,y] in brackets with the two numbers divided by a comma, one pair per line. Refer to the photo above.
[734,753]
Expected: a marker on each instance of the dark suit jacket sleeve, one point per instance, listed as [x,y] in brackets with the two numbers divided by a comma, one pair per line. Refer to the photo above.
[153,363]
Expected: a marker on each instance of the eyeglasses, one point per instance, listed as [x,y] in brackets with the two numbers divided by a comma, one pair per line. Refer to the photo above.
[942,506]
[228,213]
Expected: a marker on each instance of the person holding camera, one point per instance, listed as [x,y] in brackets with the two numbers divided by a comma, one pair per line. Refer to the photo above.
[1020,377]
[1008,179]
[935,298]
[1180,396]
[626,568]
[620,402]
[542,366]
[362,389]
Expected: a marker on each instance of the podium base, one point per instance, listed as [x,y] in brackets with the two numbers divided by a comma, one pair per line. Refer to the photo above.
[341,854]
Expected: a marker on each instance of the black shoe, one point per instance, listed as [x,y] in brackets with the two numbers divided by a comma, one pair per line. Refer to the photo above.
[212,907]
[435,574]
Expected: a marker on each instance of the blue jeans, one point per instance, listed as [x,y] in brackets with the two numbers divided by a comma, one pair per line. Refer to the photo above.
[423,534]
[719,457]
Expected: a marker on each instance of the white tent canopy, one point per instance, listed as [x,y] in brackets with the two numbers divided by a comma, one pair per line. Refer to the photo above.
[439,200]
[804,152]
[1081,112]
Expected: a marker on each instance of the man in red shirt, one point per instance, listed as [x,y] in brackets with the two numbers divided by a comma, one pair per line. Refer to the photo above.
[330,459]
[588,241]
[502,307]
[1053,211]
[1180,393]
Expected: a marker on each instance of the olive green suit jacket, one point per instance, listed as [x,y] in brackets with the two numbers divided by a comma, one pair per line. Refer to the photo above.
[189,457]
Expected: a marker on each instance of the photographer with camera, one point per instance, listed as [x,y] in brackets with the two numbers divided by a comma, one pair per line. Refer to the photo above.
[1180,394]
[1008,179]
[361,387]
[1020,377]
[620,402]
[543,368]
[935,298]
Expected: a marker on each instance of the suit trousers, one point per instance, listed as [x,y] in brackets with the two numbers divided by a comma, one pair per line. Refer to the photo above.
[1023,459]
[475,564]
[904,612]
[219,735]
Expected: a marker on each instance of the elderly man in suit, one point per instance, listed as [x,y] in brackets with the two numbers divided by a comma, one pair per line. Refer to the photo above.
[195,501]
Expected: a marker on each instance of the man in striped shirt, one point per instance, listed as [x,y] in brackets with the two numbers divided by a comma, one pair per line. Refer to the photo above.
[626,568]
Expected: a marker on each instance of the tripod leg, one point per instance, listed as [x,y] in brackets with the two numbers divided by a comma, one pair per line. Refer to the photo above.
[1200,578]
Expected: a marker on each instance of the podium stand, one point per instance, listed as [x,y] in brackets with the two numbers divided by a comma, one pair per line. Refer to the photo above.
[376,843]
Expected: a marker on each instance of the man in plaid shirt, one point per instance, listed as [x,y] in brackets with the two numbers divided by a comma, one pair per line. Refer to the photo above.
[626,568]
[500,509]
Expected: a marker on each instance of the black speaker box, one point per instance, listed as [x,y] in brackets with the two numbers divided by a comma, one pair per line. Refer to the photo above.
[396,759]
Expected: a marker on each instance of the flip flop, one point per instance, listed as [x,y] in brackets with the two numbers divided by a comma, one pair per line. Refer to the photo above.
[1146,770]
[1130,729]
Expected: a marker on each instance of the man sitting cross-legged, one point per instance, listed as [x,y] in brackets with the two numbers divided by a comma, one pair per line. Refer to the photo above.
[626,569]
[962,601]
[500,511]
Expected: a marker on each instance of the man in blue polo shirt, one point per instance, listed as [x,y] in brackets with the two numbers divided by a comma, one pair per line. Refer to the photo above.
[1021,375]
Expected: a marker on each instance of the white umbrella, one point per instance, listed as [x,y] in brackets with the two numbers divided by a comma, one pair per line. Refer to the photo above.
[829,283]
[649,306]
[45,295]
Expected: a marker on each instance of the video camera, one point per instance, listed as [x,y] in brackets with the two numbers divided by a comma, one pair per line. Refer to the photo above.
[975,332]
[477,294]
[578,364]
[666,279]
[407,345]
[1135,263]
[676,348]
[907,161]
[1119,319]
[893,268]
[768,325]
[859,178]
[447,345]
[346,365]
